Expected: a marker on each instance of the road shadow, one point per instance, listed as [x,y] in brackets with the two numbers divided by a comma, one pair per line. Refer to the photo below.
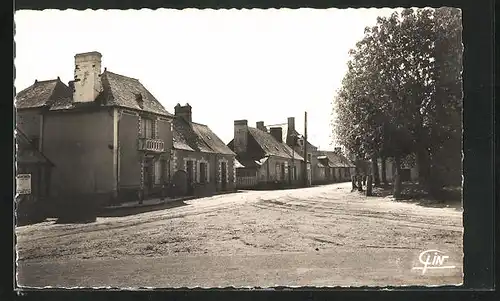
[126,211]
[448,197]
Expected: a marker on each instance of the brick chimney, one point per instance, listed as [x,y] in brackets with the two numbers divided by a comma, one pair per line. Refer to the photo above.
[184,112]
[240,136]
[291,124]
[260,125]
[87,83]
[277,133]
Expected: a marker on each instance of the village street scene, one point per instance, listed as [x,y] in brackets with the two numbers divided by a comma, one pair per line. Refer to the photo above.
[121,186]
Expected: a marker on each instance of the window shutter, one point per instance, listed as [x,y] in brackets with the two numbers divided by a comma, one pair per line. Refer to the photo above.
[207,173]
[198,172]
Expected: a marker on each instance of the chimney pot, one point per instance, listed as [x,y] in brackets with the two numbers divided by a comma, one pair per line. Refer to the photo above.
[240,136]
[277,133]
[260,125]
[184,112]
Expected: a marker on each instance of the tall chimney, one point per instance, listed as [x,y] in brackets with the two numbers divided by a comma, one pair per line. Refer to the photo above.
[184,112]
[277,133]
[291,124]
[240,136]
[260,125]
[87,83]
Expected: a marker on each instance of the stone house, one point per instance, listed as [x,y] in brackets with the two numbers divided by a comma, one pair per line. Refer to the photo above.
[295,140]
[263,157]
[200,158]
[109,137]
[337,167]
[409,173]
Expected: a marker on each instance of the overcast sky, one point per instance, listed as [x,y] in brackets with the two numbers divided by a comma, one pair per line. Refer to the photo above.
[259,65]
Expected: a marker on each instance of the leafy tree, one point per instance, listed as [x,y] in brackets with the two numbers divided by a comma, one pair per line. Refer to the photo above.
[402,91]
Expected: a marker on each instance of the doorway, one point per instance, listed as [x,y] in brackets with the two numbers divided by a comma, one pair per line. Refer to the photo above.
[148,175]
[223,175]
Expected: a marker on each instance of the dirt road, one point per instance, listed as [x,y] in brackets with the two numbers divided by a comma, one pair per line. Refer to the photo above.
[322,236]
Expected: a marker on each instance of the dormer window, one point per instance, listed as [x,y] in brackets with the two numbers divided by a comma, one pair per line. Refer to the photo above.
[139,99]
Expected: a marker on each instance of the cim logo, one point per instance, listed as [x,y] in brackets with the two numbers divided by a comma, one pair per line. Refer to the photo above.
[432,259]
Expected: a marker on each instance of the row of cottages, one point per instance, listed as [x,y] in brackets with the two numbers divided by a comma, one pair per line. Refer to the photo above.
[262,157]
[322,166]
[334,166]
[109,138]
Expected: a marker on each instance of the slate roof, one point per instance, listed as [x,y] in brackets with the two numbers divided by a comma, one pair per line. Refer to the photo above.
[335,159]
[197,137]
[118,90]
[271,146]
[287,137]
[42,94]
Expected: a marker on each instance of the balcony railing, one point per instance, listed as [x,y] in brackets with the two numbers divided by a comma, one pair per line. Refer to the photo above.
[151,145]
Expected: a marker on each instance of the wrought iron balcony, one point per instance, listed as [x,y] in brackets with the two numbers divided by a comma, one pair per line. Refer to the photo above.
[151,145]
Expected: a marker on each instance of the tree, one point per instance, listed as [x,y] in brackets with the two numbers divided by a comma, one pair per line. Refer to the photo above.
[402,90]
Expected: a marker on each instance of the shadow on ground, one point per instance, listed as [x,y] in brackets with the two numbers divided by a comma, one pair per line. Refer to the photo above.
[448,197]
[118,212]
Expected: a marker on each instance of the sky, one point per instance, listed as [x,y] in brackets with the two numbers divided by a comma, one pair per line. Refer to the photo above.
[258,65]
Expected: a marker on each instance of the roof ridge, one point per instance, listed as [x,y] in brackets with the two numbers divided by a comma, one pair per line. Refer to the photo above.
[117,74]
[47,81]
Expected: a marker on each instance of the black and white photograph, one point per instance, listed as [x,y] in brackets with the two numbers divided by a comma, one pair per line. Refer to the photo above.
[213,148]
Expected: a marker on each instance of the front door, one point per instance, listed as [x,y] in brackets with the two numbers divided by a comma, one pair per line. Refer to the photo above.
[223,175]
[148,175]
[190,176]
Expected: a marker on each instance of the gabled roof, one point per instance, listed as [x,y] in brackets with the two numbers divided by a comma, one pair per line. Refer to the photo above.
[42,94]
[37,156]
[270,145]
[197,137]
[336,159]
[211,139]
[120,90]
[287,135]
[117,90]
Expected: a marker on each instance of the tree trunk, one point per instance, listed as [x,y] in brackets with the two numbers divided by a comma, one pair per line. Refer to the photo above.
[353,182]
[397,178]
[360,183]
[423,167]
[375,173]
[369,186]
[384,175]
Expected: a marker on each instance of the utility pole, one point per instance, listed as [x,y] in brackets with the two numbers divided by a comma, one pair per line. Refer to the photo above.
[306,176]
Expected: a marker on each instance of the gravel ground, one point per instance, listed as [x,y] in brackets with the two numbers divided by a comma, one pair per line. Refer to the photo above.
[254,226]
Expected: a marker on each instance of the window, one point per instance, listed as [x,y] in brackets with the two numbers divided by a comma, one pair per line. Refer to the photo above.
[309,157]
[294,173]
[278,170]
[203,172]
[147,128]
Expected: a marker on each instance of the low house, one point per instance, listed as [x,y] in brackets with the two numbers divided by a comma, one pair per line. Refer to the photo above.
[340,169]
[296,141]
[109,137]
[408,172]
[202,163]
[33,171]
[263,157]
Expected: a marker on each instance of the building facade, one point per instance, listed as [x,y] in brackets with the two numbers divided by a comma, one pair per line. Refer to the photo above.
[109,136]
[200,158]
[262,157]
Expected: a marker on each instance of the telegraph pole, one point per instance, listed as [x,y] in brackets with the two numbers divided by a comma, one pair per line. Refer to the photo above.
[306,176]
